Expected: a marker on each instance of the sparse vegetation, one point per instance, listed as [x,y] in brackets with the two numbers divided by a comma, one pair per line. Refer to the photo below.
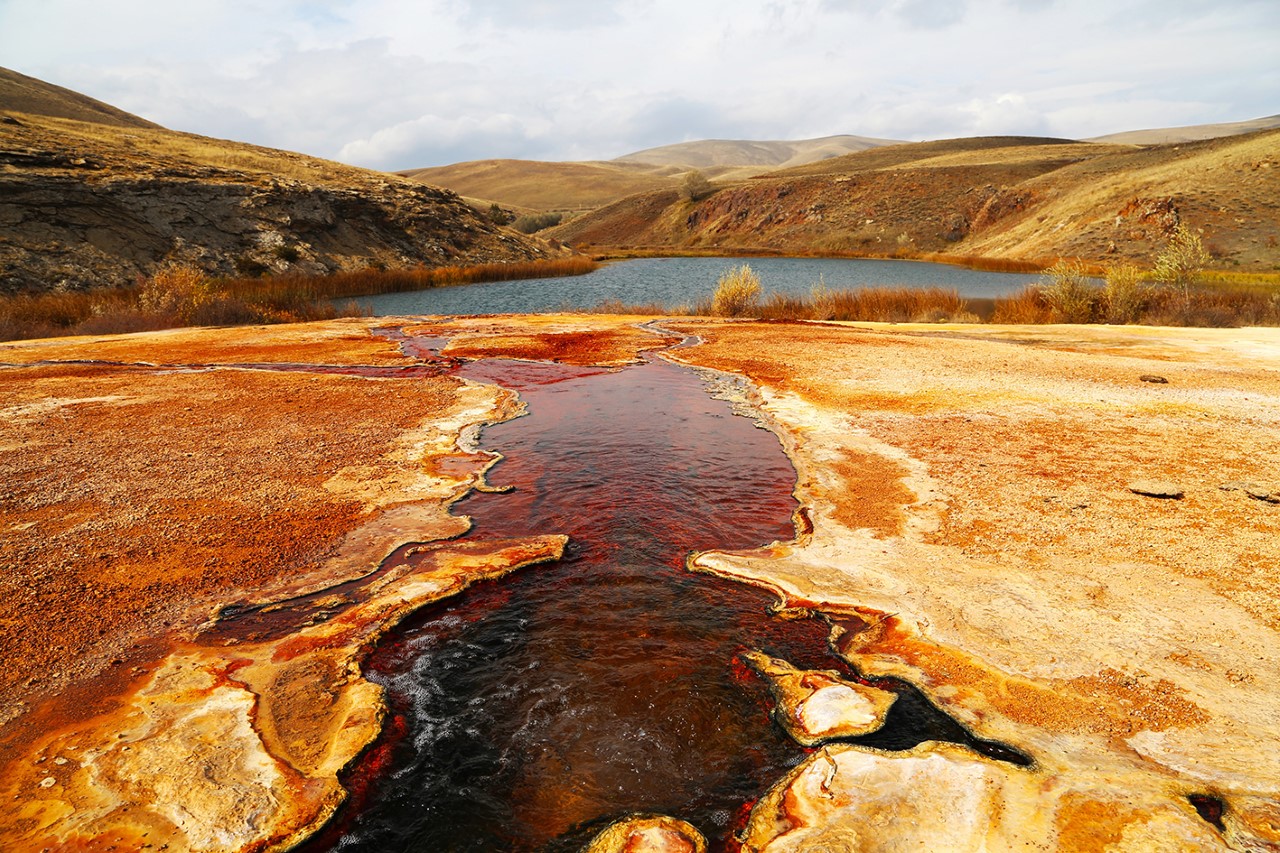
[533,222]
[737,293]
[1071,297]
[181,296]
[498,216]
[1126,293]
[1180,263]
[695,186]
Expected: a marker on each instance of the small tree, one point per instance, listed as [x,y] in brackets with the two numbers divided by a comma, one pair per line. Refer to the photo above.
[737,293]
[695,186]
[1068,292]
[1181,261]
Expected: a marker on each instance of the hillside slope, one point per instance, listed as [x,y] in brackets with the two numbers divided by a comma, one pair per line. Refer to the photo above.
[1190,133]
[715,153]
[86,204]
[22,94]
[1010,197]
[539,185]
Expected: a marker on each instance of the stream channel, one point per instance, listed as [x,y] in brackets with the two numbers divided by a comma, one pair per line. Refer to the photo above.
[531,711]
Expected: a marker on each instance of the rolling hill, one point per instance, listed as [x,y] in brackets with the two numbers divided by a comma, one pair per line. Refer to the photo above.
[534,185]
[1005,197]
[575,187]
[22,94]
[1192,133]
[91,203]
[710,154]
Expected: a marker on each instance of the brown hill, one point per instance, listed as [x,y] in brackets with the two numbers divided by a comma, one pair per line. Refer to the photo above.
[88,204]
[22,94]
[537,185]
[1009,197]
[1191,133]
[717,153]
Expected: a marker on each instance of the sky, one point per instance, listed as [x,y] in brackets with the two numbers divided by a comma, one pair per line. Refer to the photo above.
[391,84]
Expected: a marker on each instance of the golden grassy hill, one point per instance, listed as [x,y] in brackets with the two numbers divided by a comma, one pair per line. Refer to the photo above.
[574,187]
[1005,197]
[537,185]
[22,94]
[1192,133]
[86,204]
[717,153]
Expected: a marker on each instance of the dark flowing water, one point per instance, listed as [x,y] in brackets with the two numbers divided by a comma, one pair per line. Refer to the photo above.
[530,711]
[682,281]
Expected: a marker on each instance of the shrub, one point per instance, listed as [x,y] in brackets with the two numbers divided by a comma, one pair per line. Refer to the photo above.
[737,293]
[695,186]
[176,291]
[1027,306]
[1068,293]
[1180,263]
[1126,294]
[531,222]
[497,215]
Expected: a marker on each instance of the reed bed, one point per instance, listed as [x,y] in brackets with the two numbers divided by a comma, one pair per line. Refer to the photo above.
[1220,306]
[182,296]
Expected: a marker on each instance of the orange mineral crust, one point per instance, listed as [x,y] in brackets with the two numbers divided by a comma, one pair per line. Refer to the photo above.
[605,340]
[1036,585]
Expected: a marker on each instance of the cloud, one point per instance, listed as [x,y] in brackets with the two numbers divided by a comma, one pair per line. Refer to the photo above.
[395,84]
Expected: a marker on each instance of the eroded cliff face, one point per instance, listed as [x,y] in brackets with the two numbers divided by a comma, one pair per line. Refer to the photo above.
[85,205]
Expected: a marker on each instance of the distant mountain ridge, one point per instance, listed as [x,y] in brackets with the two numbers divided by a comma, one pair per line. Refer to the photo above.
[1190,133]
[23,94]
[776,154]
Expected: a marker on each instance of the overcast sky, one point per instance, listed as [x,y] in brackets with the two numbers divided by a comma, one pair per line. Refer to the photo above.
[393,84]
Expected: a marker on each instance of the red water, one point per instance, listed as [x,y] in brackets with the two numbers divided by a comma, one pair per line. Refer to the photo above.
[532,710]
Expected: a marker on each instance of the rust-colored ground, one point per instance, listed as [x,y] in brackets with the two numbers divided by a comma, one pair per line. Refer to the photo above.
[136,500]
[968,488]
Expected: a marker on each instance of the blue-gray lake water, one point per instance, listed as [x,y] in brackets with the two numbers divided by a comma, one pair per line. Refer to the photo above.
[681,281]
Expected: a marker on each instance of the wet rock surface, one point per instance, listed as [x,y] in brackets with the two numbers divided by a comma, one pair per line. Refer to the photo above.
[815,706]
[1126,647]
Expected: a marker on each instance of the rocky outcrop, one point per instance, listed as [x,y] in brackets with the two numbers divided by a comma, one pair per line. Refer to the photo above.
[78,212]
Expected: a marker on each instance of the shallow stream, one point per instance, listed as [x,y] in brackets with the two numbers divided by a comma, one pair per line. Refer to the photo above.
[530,711]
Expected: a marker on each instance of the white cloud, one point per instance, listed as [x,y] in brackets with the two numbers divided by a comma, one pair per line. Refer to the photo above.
[397,84]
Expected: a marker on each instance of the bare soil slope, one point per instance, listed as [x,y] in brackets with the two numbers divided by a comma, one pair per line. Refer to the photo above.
[1010,197]
[23,94]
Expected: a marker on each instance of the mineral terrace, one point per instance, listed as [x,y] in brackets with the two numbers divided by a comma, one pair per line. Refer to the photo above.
[981,519]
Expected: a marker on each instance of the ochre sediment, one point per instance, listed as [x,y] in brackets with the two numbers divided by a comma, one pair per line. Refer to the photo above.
[235,746]
[815,706]
[1125,643]
[648,835]
[145,500]
[973,533]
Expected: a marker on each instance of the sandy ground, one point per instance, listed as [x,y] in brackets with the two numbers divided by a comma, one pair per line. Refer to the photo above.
[973,532]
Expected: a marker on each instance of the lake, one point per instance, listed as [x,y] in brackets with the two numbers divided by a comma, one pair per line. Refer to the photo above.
[678,281]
